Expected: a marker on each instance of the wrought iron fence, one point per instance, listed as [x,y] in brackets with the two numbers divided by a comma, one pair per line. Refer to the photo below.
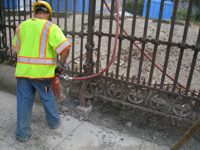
[156,67]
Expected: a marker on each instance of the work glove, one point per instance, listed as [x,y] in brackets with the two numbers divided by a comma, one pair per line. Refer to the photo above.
[56,86]
[57,89]
[59,69]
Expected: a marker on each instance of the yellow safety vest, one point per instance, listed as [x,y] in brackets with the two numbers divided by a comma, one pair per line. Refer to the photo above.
[36,42]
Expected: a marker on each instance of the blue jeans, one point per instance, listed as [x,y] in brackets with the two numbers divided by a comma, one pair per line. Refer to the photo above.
[26,89]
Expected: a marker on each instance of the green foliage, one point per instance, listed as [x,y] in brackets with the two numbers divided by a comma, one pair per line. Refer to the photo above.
[198,14]
[182,15]
[130,7]
[195,16]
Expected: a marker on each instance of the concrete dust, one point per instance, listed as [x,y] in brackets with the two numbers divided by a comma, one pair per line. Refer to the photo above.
[153,128]
[136,123]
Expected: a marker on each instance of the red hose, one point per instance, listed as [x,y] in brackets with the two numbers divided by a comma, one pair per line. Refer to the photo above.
[147,54]
[115,45]
[114,50]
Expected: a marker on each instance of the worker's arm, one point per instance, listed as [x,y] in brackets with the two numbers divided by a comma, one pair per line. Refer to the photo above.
[64,55]
[14,44]
[59,44]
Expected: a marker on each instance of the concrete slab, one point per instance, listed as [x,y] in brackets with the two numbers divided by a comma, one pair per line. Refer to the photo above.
[3,76]
[5,146]
[152,146]
[41,136]
[72,133]
[8,81]
[81,110]
[90,137]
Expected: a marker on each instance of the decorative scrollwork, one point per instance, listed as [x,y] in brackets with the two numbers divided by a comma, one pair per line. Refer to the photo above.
[159,102]
[97,85]
[115,89]
[197,112]
[136,96]
[182,107]
[197,115]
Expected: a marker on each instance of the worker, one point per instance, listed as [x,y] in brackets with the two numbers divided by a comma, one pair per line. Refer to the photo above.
[37,42]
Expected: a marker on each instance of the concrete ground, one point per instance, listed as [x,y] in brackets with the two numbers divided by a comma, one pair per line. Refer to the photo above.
[72,134]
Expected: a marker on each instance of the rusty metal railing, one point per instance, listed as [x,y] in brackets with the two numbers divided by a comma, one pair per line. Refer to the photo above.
[138,77]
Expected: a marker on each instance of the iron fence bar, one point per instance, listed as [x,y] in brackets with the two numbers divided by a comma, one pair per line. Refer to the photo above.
[196,52]
[4,22]
[143,43]
[14,24]
[13,12]
[178,69]
[191,72]
[65,15]
[58,12]
[19,17]
[120,36]
[120,39]
[198,39]
[187,22]
[192,65]
[82,30]
[169,41]
[50,5]
[165,67]
[1,14]
[92,33]
[90,45]
[110,37]
[10,40]
[100,31]
[183,42]
[131,42]
[30,7]
[1,28]
[156,45]
[24,9]
[73,36]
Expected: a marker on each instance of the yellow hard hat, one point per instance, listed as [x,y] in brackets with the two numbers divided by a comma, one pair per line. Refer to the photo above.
[45,4]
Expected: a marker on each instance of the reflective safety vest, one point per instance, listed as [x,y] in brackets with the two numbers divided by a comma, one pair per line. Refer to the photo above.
[36,42]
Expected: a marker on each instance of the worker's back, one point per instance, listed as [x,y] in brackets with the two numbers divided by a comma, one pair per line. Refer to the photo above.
[37,41]
[33,35]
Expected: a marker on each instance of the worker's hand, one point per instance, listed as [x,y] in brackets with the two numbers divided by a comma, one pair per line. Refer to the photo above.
[58,71]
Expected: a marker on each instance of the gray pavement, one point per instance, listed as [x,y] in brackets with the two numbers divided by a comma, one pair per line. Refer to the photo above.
[72,134]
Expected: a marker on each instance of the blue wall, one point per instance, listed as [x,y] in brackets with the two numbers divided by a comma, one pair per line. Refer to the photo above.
[70,5]
[10,4]
[155,9]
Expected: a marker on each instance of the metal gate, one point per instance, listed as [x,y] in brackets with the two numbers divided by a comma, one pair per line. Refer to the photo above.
[156,67]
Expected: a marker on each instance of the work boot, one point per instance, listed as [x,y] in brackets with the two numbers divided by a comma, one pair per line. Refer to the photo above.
[56,127]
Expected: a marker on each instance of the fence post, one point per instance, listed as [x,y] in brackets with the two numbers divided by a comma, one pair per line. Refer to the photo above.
[3,41]
[89,64]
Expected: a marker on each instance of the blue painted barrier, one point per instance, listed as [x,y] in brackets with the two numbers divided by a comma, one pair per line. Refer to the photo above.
[155,9]
[70,5]
[10,3]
